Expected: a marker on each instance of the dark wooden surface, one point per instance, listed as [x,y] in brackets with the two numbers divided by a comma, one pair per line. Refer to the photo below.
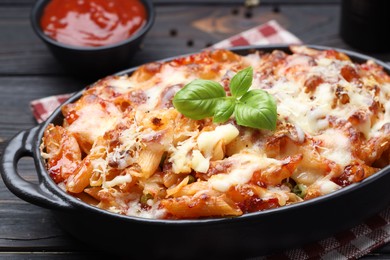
[28,71]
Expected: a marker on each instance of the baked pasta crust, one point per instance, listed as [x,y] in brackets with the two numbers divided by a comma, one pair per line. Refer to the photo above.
[123,147]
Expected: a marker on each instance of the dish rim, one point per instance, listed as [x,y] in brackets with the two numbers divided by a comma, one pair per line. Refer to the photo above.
[79,204]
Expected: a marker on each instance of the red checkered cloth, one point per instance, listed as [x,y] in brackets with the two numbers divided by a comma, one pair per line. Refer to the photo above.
[268,33]
[42,108]
[350,244]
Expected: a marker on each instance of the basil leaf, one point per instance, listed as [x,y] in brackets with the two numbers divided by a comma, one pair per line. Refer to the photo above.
[205,98]
[241,82]
[198,99]
[256,109]
[224,110]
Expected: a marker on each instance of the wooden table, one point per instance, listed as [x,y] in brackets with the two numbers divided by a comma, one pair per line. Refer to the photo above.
[28,71]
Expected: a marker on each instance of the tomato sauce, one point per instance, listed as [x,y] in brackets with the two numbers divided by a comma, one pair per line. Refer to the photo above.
[92,22]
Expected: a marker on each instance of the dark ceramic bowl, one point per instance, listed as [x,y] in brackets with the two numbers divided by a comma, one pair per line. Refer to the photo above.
[93,61]
[249,235]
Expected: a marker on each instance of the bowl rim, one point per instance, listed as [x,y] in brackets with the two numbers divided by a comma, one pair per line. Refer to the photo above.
[37,11]
[253,216]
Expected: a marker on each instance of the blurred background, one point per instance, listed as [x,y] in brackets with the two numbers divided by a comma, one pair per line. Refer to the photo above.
[181,27]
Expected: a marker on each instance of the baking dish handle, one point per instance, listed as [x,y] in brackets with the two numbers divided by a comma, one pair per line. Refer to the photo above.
[22,145]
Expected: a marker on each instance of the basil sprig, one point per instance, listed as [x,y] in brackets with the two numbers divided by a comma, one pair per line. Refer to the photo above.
[206,98]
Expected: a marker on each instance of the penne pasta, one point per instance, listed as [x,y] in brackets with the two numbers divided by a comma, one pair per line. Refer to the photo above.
[125,147]
[201,206]
[80,180]
[149,159]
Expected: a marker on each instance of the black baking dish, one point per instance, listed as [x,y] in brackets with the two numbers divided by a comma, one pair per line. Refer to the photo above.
[252,234]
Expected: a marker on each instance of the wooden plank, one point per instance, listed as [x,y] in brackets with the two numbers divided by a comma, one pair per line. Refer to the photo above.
[16,94]
[30,227]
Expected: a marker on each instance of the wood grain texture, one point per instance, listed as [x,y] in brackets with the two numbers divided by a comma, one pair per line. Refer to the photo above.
[28,71]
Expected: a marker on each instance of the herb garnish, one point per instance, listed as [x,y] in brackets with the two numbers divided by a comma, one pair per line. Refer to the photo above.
[206,98]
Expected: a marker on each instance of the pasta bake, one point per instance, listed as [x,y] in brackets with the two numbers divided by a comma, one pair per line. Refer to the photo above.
[124,147]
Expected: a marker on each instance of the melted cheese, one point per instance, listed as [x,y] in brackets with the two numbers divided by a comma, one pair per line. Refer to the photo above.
[181,156]
[121,84]
[327,110]
[306,177]
[335,146]
[152,96]
[276,192]
[207,140]
[92,129]
[384,120]
[244,167]
[175,75]
[198,162]
[327,186]
[118,180]
[222,182]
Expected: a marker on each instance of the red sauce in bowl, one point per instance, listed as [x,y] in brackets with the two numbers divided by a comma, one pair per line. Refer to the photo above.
[92,22]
